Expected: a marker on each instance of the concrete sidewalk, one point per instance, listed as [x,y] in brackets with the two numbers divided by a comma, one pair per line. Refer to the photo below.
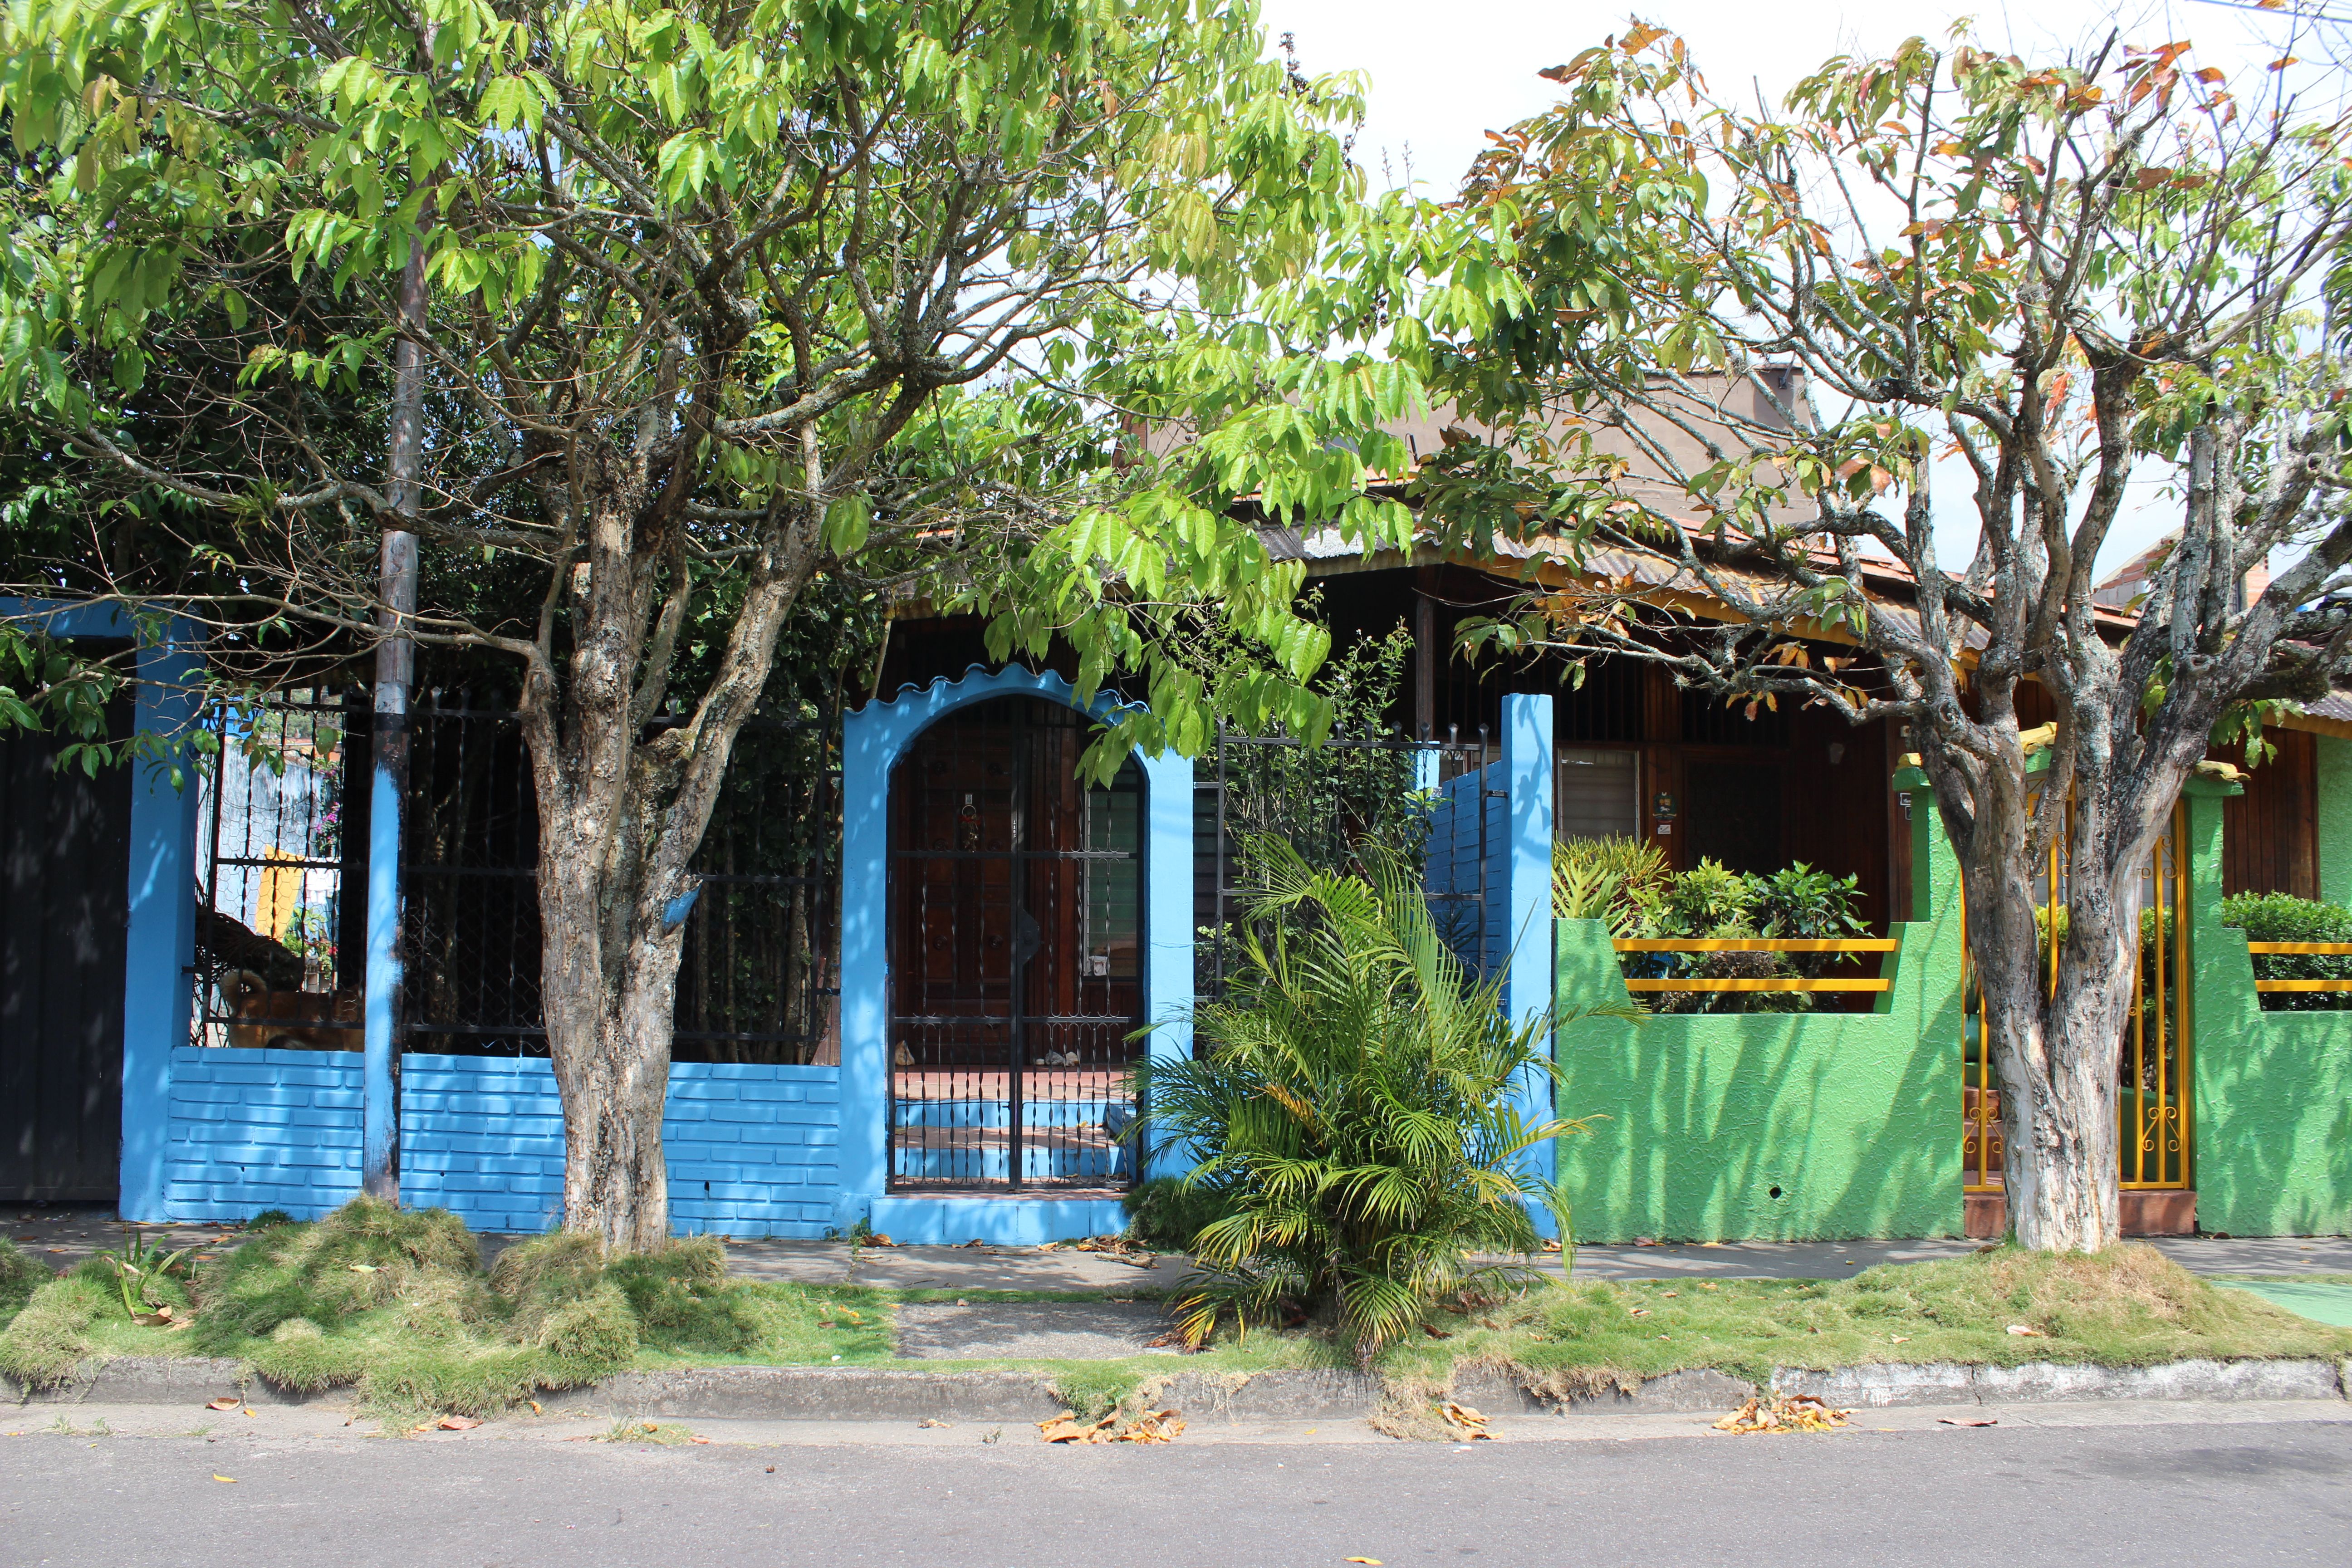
[62,1237]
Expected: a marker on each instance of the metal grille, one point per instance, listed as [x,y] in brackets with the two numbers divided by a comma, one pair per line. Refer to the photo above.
[756,980]
[1333,804]
[280,869]
[2153,1104]
[1016,938]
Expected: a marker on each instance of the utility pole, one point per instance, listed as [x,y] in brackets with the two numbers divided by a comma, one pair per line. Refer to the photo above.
[395,673]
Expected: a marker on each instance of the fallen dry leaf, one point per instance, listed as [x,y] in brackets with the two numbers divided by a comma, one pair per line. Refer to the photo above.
[1784,1412]
[1954,1421]
[1434,1333]
[1152,1427]
[220,1404]
[1900,1340]
[930,1421]
[457,1423]
[1471,1423]
[1068,1428]
[228,1480]
[697,1439]
[2023,1332]
[1373,1561]
[1641,1312]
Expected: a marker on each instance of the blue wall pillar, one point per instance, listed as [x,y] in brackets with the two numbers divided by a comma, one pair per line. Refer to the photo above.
[160,938]
[160,947]
[1525,860]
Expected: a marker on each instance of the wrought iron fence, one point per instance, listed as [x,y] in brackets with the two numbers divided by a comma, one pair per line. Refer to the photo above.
[281,879]
[280,873]
[757,981]
[1334,804]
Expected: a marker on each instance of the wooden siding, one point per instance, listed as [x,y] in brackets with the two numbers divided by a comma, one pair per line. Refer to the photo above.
[2270,835]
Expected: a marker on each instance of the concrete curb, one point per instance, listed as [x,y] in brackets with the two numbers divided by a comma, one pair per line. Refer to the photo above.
[872,1393]
[161,1380]
[2042,1382]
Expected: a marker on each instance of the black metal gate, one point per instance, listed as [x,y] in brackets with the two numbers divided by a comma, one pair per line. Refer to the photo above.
[1016,939]
[65,867]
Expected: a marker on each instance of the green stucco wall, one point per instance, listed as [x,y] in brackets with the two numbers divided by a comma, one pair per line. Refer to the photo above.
[2271,1119]
[1853,1118]
[2335,818]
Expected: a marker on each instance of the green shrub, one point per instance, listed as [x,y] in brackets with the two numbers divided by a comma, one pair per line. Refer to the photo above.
[1357,1105]
[2279,917]
[1625,882]
[1606,879]
[1169,1211]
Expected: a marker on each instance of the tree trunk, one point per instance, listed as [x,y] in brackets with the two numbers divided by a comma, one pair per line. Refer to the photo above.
[621,814]
[2057,1040]
[610,1015]
[2055,1057]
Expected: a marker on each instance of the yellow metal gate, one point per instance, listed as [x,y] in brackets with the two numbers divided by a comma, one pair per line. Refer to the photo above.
[2153,1102]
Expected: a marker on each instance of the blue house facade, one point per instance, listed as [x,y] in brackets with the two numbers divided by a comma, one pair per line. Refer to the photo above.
[1011,940]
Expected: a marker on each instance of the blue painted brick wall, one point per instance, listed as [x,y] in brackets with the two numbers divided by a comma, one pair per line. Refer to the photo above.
[753,1150]
[482,1137]
[261,1130]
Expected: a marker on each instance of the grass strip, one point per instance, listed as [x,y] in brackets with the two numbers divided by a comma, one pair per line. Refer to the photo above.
[394,1305]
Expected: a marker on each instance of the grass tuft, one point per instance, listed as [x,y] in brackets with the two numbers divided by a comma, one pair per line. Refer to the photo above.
[2128,1306]
[358,1258]
[49,1337]
[20,1278]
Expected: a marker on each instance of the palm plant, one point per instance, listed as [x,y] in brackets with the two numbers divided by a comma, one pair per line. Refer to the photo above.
[1356,1113]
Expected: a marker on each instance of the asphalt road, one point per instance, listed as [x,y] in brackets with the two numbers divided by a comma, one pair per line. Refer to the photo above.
[2272,1493]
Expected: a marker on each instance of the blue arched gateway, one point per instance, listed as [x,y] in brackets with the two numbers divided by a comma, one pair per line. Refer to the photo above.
[1006,929]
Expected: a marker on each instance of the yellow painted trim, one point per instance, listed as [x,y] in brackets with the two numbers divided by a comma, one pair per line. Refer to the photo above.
[2303,984]
[1759,984]
[1755,945]
[2299,947]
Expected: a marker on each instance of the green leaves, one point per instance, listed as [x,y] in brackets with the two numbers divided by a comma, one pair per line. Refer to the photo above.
[848,521]
[1356,1110]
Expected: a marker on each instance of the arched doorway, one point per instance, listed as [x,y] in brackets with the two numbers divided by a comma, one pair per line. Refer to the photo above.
[1015,932]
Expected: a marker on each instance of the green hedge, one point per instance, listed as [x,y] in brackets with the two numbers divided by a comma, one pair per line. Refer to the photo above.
[2279,917]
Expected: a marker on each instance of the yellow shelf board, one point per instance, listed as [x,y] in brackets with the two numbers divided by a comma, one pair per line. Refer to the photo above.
[1759,984]
[1753,944]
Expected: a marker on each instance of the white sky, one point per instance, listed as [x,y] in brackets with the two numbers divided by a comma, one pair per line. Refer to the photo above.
[1442,73]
